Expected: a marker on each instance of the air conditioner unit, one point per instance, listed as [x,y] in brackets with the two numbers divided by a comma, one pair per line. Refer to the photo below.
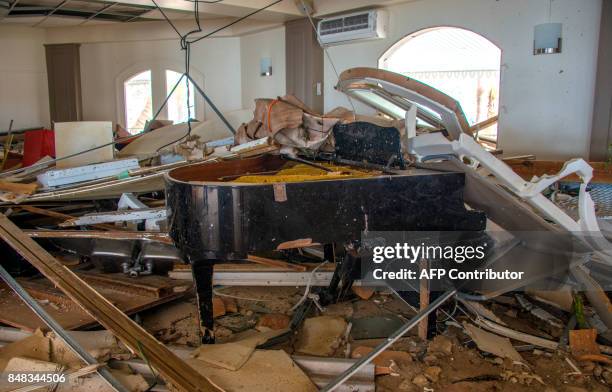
[368,24]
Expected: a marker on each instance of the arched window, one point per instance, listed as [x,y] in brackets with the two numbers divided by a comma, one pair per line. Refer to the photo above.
[142,88]
[138,101]
[456,61]
[178,103]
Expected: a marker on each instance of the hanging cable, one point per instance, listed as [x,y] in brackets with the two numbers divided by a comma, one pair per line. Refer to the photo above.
[167,19]
[186,46]
[236,21]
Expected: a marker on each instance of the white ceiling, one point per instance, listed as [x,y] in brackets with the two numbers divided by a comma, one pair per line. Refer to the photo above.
[183,9]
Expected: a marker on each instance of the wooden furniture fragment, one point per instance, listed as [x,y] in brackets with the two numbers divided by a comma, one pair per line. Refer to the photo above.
[276,263]
[172,369]
[26,189]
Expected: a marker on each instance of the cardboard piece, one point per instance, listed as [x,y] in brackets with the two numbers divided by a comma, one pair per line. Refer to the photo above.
[492,343]
[34,347]
[233,355]
[265,371]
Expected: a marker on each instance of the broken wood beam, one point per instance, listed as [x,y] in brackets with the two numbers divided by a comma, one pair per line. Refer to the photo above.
[14,187]
[174,370]
[423,301]
[484,124]
[115,216]
[62,216]
[276,263]
[109,235]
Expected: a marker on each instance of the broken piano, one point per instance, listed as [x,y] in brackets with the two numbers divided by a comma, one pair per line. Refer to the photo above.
[226,210]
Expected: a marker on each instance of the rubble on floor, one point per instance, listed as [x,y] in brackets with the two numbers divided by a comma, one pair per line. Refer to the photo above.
[105,222]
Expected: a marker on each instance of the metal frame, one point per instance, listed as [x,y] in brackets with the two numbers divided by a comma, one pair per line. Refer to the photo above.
[54,10]
[87,15]
[99,12]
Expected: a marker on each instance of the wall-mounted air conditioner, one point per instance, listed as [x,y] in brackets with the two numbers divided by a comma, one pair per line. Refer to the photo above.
[368,24]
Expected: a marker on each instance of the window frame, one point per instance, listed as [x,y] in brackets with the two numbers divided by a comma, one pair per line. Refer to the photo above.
[158,88]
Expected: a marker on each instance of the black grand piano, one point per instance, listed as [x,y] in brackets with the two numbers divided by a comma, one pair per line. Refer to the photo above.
[213,219]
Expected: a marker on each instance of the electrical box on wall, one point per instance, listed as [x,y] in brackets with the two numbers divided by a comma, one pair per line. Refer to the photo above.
[356,26]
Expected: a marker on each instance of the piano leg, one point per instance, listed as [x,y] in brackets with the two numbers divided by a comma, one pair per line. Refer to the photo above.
[202,271]
[348,267]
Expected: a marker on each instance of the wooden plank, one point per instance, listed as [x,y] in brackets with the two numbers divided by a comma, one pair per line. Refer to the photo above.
[62,216]
[14,187]
[110,235]
[484,124]
[276,263]
[147,286]
[175,371]
[62,309]
[423,300]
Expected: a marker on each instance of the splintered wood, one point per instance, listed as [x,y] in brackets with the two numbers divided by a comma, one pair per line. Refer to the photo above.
[175,371]
[126,294]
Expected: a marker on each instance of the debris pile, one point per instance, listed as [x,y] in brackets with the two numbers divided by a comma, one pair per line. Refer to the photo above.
[195,258]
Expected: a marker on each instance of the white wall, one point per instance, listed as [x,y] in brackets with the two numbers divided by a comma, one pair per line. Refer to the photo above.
[24,95]
[253,47]
[217,60]
[546,102]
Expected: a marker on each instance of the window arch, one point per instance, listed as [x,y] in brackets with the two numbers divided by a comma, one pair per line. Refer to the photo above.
[142,88]
[458,62]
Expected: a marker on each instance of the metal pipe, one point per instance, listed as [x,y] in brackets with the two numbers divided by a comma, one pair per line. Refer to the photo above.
[59,331]
[390,340]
